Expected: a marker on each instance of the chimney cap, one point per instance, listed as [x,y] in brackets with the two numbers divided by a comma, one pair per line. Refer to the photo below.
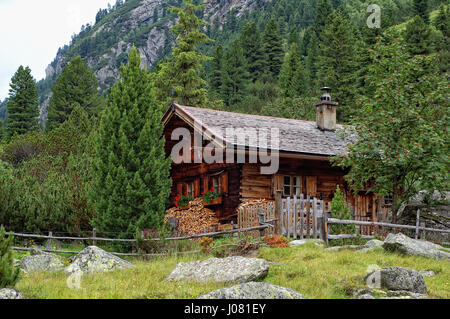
[326,89]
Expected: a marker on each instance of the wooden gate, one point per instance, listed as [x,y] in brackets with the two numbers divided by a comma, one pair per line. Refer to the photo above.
[255,215]
[302,217]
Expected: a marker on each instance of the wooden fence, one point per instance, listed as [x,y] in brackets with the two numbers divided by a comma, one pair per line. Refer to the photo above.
[302,217]
[256,215]
[94,240]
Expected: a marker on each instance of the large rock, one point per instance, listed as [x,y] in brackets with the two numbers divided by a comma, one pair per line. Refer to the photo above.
[41,261]
[400,279]
[7,293]
[318,242]
[95,260]
[229,270]
[403,244]
[253,290]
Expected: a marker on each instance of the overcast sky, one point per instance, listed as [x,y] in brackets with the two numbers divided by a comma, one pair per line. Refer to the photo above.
[31,31]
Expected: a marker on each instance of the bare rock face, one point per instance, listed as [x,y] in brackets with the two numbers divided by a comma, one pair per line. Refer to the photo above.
[96,260]
[403,244]
[253,290]
[229,270]
[7,293]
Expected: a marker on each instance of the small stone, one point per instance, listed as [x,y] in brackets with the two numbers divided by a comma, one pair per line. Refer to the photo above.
[7,293]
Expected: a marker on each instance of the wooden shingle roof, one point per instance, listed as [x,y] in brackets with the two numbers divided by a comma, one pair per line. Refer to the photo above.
[296,136]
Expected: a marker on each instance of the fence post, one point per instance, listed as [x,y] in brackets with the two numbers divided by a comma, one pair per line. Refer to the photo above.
[325,227]
[278,207]
[49,241]
[261,222]
[94,235]
[308,217]
[422,224]
[417,223]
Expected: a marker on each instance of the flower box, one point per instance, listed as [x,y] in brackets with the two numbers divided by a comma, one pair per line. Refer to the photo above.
[213,202]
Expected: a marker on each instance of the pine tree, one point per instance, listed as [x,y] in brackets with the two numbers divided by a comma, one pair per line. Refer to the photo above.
[235,77]
[2,131]
[9,274]
[23,105]
[251,44]
[338,62]
[76,86]
[179,76]
[217,71]
[273,49]
[421,9]
[131,174]
[442,23]
[323,9]
[293,78]
[418,37]
[339,210]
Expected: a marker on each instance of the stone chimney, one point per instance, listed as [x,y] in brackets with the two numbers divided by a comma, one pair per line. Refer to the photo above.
[326,111]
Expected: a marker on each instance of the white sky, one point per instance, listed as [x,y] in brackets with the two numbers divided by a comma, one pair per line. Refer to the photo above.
[31,31]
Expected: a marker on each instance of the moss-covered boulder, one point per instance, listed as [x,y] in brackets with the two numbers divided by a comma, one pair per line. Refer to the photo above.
[253,290]
[96,260]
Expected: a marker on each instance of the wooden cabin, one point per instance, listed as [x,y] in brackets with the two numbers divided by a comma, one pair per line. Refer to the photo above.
[304,151]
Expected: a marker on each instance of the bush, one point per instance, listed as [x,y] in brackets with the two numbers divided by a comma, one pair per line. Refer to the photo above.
[9,274]
[340,210]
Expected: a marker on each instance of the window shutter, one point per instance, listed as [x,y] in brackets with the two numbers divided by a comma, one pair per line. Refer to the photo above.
[225,183]
[197,187]
[277,183]
[311,185]
[179,189]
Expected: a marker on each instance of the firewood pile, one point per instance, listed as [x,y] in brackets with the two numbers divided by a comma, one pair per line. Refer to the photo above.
[193,220]
[252,202]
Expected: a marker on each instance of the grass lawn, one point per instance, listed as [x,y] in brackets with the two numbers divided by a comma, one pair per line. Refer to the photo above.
[309,269]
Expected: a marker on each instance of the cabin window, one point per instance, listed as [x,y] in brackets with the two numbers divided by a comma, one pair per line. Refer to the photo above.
[287,185]
[190,189]
[216,183]
[292,186]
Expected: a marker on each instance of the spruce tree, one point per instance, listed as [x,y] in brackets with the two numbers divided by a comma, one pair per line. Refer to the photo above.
[273,49]
[23,105]
[2,132]
[179,76]
[235,77]
[217,71]
[131,173]
[418,37]
[9,274]
[293,77]
[421,9]
[323,9]
[338,62]
[76,86]
[442,23]
[251,44]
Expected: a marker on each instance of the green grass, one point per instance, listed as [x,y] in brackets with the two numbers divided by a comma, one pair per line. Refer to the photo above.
[309,269]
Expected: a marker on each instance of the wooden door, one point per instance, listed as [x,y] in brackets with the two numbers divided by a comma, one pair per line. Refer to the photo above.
[311,186]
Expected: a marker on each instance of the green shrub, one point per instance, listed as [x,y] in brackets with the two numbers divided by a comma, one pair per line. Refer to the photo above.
[340,210]
[9,274]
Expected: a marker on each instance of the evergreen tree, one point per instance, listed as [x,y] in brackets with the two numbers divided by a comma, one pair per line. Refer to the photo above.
[76,86]
[9,274]
[179,76]
[338,62]
[293,78]
[251,44]
[217,71]
[442,23]
[131,174]
[323,9]
[273,49]
[339,210]
[2,131]
[421,9]
[23,106]
[418,36]
[235,77]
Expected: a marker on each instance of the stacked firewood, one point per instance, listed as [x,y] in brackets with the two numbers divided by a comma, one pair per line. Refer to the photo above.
[193,220]
[252,202]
